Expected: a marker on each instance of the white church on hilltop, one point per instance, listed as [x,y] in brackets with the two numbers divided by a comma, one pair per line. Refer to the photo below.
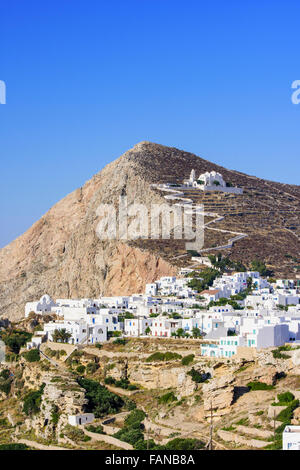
[210,181]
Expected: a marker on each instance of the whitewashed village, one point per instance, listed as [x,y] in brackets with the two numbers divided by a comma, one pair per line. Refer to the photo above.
[240,314]
[268,316]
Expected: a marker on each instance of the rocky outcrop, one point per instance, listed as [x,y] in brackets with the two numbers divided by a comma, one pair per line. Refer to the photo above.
[61,397]
[158,375]
[219,394]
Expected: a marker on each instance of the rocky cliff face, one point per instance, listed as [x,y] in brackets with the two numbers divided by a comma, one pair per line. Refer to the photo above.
[61,254]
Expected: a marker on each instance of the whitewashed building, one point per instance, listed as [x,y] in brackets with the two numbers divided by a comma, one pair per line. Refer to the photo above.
[81,419]
[41,307]
[291,438]
[137,326]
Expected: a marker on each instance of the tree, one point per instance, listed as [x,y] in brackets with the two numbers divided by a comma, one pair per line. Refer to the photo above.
[32,401]
[15,339]
[180,333]
[249,283]
[33,355]
[196,333]
[258,265]
[148,330]
[100,400]
[61,335]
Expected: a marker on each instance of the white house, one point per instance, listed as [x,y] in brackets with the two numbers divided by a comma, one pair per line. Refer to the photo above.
[42,306]
[164,327]
[226,346]
[137,326]
[81,419]
[291,438]
[81,332]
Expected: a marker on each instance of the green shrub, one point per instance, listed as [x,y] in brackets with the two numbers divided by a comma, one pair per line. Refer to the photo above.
[14,447]
[75,434]
[97,429]
[135,418]
[109,381]
[101,401]
[15,339]
[278,355]
[92,367]
[33,355]
[167,356]
[186,360]
[287,414]
[167,398]
[80,369]
[130,435]
[120,341]
[242,422]
[55,414]
[184,444]
[132,431]
[285,397]
[197,376]
[32,401]
[256,385]
[5,374]
[129,404]
[147,445]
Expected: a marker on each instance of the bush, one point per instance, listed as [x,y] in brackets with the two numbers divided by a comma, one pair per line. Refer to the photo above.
[285,397]
[92,367]
[98,345]
[135,418]
[186,360]
[147,445]
[101,401]
[15,339]
[132,431]
[120,341]
[109,381]
[197,376]
[5,386]
[80,369]
[5,374]
[287,414]
[279,355]
[55,414]
[75,434]
[14,447]
[32,401]
[97,429]
[259,386]
[129,404]
[33,355]
[167,398]
[184,444]
[130,435]
[167,356]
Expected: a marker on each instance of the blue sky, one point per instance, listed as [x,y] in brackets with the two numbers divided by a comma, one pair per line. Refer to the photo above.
[86,80]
